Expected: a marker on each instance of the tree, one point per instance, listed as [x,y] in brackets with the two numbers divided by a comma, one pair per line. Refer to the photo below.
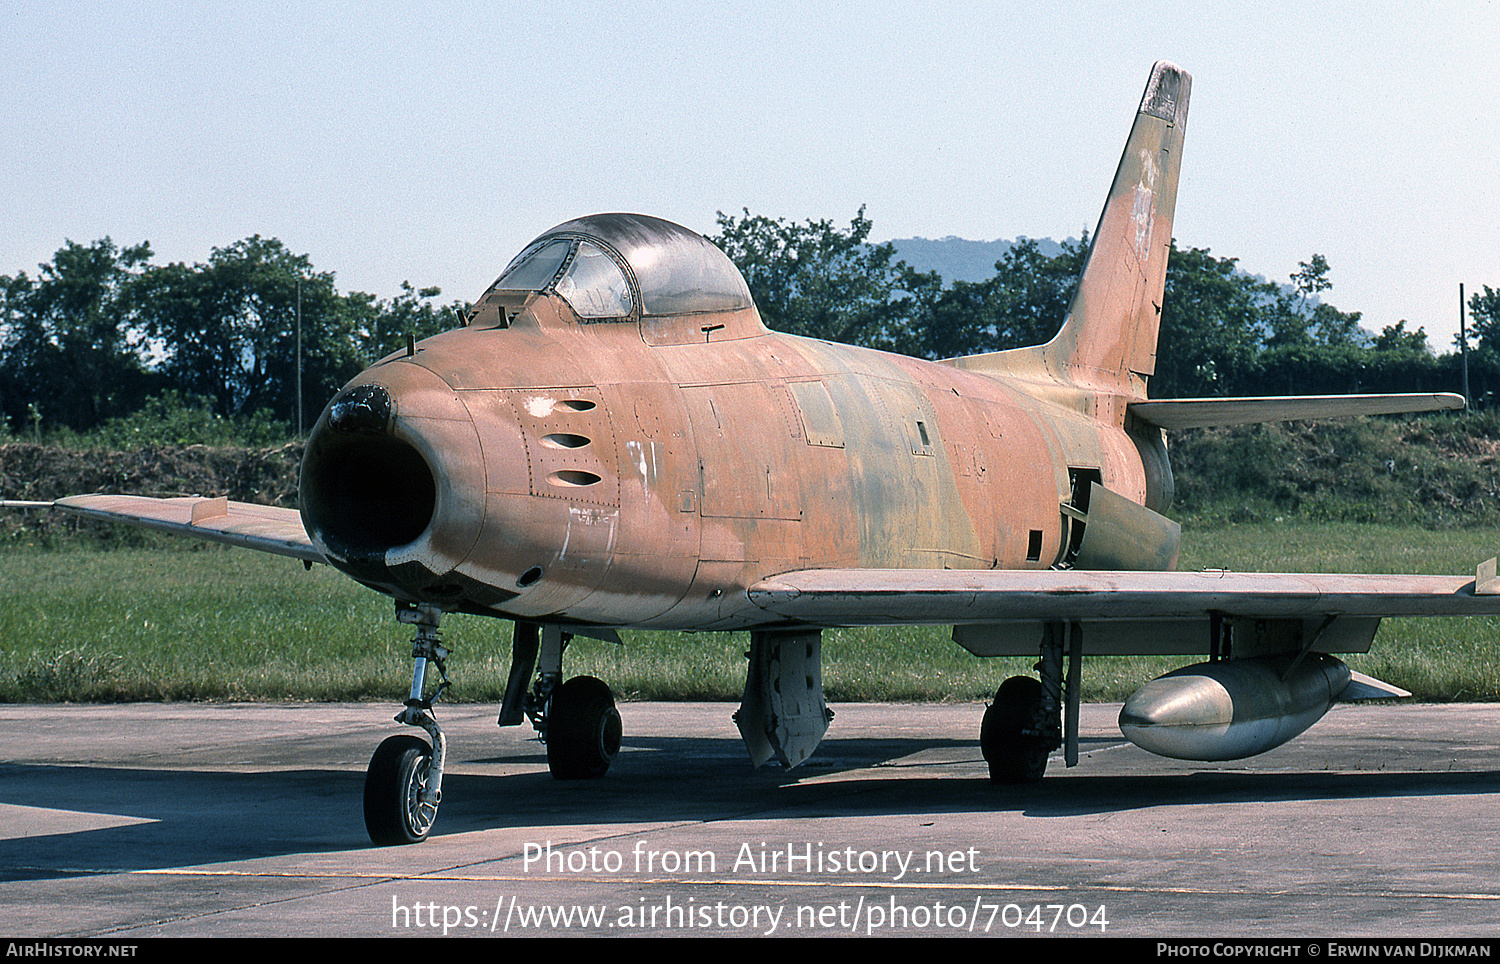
[1311,346]
[1400,361]
[227,329]
[1484,319]
[101,330]
[1023,303]
[813,279]
[1310,278]
[381,327]
[66,347]
[1210,319]
[1036,290]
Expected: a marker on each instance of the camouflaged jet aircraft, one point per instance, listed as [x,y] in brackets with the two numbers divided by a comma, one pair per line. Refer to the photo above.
[614,439]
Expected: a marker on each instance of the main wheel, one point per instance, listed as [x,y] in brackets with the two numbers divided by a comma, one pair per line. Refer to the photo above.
[583,729]
[394,812]
[1014,754]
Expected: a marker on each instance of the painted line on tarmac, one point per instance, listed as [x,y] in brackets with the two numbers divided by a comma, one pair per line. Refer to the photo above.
[837,884]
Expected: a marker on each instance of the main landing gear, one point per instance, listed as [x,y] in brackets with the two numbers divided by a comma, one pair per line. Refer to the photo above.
[577,720]
[1032,717]
[582,729]
[1014,735]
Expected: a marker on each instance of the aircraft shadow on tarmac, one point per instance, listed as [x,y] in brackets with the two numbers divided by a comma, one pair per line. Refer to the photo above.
[193,817]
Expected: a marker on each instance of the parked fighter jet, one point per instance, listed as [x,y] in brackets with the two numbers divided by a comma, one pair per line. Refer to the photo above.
[614,439]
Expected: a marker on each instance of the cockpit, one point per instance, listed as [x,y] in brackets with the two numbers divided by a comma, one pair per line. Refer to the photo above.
[617,268]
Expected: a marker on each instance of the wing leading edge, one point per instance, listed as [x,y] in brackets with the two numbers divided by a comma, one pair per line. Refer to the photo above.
[262,527]
[994,612]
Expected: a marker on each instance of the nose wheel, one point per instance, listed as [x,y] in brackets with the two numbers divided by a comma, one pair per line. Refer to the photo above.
[395,812]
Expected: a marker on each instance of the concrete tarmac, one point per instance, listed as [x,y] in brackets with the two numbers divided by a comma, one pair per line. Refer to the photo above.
[128,822]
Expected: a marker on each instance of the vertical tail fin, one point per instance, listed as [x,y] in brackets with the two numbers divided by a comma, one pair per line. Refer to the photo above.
[1108,341]
[1111,328]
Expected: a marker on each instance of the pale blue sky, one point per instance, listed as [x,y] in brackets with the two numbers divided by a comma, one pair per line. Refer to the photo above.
[429,141]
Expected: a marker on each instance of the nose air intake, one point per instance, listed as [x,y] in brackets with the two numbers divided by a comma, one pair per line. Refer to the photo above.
[364,491]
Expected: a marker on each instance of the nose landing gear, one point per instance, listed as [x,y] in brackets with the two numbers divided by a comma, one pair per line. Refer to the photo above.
[399,776]
[404,782]
[577,720]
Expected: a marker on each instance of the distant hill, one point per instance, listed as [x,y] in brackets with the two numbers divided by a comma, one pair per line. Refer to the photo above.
[957,259]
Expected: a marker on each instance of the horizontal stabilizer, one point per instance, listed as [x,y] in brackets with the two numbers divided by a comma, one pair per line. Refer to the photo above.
[1362,687]
[1208,412]
[266,528]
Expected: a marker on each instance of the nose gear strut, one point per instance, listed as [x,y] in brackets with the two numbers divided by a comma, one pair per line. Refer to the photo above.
[404,782]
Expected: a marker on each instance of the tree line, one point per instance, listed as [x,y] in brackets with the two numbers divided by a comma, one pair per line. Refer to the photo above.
[101,333]
[1223,331]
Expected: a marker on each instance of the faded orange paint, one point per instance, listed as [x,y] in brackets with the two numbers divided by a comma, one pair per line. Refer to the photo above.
[757,455]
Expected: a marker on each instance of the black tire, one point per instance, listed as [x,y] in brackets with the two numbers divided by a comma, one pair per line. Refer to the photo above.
[1014,755]
[396,775]
[583,730]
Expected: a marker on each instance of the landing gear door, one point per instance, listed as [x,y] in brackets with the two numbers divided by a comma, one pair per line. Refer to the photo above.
[1120,534]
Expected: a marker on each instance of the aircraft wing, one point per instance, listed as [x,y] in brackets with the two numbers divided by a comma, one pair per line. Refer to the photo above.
[1174,413]
[264,527]
[853,597]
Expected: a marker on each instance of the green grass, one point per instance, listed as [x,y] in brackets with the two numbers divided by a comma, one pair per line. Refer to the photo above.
[151,624]
[174,623]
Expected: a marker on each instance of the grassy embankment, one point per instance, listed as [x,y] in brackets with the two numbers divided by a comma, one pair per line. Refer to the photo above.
[169,623]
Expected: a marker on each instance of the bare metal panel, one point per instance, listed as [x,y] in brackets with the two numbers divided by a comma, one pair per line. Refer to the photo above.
[1120,534]
[820,420]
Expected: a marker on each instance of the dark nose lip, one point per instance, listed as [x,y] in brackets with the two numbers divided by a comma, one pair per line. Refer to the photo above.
[393,484]
[361,410]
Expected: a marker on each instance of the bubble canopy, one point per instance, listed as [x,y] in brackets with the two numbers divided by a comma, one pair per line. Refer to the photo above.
[613,266]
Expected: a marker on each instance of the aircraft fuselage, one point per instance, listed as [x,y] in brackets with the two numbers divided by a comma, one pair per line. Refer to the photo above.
[646,473]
